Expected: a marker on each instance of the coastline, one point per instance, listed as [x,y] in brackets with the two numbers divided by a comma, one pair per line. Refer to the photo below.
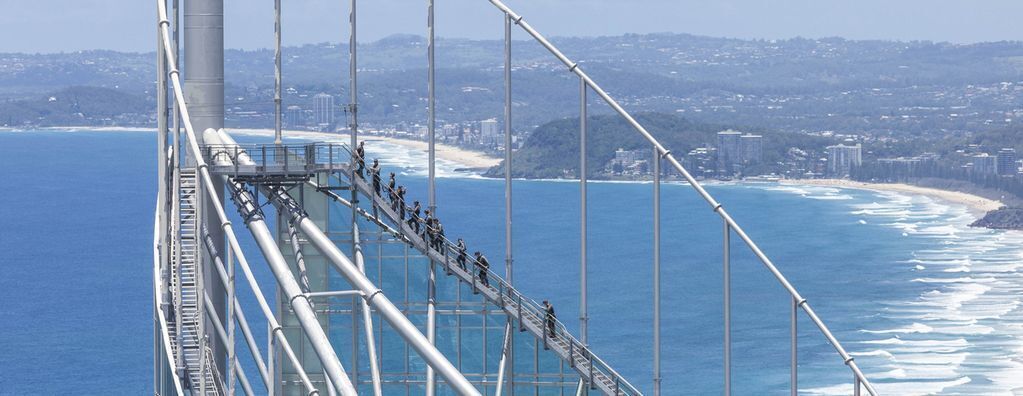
[466,158]
[977,205]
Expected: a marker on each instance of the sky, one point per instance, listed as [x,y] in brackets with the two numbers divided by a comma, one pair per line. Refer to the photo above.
[129,25]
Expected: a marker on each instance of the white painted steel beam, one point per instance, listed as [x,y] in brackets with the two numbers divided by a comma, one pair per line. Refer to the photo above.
[574,67]
[367,319]
[375,297]
[296,299]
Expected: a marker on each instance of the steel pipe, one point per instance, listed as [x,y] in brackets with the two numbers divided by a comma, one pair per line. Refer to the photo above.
[298,302]
[717,207]
[657,273]
[431,310]
[224,337]
[793,359]
[341,293]
[727,279]
[367,319]
[266,371]
[232,358]
[509,351]
[583,235]
[163,237]
[375,297]
[164,342]
[277,72]
[303,275]
[271,362]
[502,366]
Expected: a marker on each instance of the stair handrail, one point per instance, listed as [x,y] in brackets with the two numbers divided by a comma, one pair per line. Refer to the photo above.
[531,306]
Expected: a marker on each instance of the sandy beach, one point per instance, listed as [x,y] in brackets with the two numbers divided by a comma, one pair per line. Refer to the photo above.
[467,158]
[978,205]
[95,129]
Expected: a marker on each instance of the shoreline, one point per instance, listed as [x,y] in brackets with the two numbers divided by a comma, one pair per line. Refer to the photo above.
[977,205]
[477,161]
[472,160]
[468,158]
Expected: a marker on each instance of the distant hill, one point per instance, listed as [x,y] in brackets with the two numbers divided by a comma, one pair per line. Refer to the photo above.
[798,84]
[552,150]
[77,106]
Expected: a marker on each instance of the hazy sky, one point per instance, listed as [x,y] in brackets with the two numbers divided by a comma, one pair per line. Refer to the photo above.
[128,25]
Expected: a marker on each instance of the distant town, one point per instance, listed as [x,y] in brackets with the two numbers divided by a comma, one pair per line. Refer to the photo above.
[734,109]
[734,154]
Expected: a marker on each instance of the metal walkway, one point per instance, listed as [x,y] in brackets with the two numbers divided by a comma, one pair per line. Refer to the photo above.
[291,162]
[526,312]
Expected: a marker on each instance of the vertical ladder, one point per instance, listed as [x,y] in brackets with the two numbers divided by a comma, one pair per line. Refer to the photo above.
[187,289]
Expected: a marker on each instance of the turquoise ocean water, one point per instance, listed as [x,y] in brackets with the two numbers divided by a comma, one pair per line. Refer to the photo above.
[925,303]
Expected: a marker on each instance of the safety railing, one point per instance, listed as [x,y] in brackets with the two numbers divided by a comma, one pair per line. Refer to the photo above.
[506,296]
[269,161]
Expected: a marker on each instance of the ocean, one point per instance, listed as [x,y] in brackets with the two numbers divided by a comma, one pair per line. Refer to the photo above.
[924,303]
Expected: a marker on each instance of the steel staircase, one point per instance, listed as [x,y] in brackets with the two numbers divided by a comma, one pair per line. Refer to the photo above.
[186,286]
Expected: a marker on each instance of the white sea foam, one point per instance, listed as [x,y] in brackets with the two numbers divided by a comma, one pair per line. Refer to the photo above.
[914,328]
[893,374]
[908,388]
[965,326]
[919,345]
[831,197]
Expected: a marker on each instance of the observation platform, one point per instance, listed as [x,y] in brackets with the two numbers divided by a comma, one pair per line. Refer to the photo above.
[270,163]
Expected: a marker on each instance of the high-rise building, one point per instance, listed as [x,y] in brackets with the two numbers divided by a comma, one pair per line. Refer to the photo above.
[1007,162]
[489,131]
[734,148]
[729,150]
[842,158]
[984,164]
[752,148]
[323,107]
[293,116]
